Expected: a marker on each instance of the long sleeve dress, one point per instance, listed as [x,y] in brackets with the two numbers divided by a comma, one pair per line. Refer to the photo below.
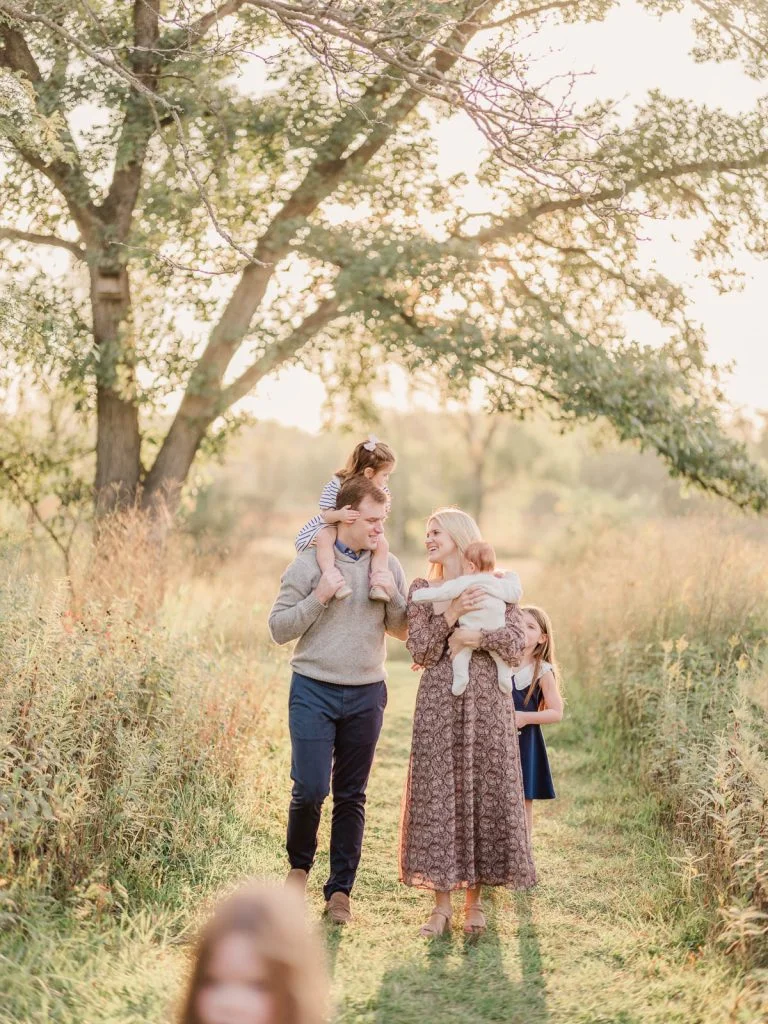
[463,821]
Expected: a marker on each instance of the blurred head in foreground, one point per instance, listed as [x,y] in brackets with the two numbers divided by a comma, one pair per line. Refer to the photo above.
[257,962]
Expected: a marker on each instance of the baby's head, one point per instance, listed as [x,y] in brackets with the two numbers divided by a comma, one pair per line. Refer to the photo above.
[479,557]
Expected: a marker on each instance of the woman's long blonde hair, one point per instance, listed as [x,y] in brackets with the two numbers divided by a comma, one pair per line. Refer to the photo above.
[543,651]
[460,527]
[275,921]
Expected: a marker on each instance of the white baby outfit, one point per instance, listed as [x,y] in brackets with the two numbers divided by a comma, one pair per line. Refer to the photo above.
[500,591]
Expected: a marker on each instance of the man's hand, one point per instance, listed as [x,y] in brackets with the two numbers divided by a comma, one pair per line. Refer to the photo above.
[328,584]
[384,578]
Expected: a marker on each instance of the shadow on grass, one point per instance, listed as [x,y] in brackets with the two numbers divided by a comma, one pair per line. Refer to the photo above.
[530,958]
[332,936]
[460,979]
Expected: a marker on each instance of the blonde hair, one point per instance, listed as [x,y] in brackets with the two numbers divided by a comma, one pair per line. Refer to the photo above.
[460,527]
[275,920]
[481,554]
[362,459]
[543,651]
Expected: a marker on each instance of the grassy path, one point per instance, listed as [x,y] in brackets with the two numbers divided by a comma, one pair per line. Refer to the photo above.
[601,940]
[597,942]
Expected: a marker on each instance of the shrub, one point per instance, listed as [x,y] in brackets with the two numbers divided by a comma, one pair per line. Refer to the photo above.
[123,749]
[664,625]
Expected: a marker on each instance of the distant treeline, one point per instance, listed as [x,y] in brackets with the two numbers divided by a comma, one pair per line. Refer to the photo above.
[521,480]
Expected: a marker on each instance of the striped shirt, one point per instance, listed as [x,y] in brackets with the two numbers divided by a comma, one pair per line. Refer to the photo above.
[308,533]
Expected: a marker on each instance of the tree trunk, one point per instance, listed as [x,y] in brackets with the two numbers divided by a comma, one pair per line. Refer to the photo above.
[118,441]
[162,488]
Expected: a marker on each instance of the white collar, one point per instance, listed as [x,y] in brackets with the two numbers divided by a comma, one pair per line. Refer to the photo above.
[523,676]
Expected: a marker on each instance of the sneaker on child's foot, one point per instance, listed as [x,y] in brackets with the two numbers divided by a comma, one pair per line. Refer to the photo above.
[343,592]
[379,594]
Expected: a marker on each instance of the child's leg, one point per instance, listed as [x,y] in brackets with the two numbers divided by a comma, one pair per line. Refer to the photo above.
[326,556]
[504,673]
[529,817]
[380,560]
[461,671]
[324,542]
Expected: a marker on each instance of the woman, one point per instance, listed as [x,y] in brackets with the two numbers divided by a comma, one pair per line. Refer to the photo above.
[463,814]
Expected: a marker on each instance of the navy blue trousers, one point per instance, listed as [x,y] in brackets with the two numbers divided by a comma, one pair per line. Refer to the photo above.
[334,731]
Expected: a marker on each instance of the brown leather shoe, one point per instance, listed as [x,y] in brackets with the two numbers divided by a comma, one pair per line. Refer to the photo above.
[338,909]
[297,878]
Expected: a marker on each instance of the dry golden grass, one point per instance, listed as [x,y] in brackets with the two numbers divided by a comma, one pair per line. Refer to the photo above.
[146,764]
[664,627]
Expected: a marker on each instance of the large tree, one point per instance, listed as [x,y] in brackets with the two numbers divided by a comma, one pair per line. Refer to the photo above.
[306,219]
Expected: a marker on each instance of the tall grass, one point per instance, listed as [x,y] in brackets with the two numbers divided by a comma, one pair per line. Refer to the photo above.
[664,627]
[126,747]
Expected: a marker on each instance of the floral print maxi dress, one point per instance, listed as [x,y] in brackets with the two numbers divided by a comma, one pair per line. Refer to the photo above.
[463,821]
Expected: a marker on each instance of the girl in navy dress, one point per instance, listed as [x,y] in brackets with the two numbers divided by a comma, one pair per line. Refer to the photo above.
[537,702]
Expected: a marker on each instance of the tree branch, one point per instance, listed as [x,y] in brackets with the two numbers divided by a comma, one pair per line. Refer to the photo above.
[518,224]
[532,12]
[31,504]
[280,351]
[198,28]
[67,177]
[731,27]
[36,239]
[112,64]
[330,168]
[139,124]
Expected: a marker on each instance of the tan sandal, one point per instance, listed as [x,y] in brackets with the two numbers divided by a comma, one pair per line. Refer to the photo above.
[479,924]
[438,924]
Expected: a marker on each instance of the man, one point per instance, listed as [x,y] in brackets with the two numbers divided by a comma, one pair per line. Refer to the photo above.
[338,689]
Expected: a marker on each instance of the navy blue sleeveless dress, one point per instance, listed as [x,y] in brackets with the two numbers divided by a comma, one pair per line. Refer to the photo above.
[537,778]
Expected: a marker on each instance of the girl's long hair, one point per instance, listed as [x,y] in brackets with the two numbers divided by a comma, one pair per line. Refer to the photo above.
[274,919]
[460,527]
[362,459]
[543,651]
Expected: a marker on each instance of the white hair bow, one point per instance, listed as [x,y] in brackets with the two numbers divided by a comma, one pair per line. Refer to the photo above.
[370,444]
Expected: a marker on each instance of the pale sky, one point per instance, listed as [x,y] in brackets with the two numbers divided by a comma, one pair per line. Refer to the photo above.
[629,53]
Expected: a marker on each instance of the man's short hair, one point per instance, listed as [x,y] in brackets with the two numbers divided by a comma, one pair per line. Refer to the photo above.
[353,491]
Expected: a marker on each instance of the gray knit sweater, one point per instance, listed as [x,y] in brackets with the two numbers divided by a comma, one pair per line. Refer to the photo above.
[343,641]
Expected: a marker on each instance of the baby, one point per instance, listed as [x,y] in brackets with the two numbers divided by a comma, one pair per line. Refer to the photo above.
[479,565]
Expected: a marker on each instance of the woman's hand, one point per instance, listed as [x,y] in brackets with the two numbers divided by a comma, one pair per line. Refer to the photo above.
[461,638]
[472,599]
